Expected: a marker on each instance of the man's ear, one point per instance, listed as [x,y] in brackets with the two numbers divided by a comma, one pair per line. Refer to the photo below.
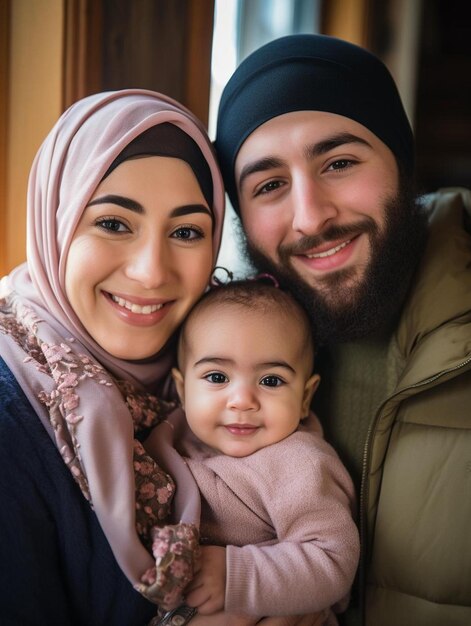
[179,384]
[309,390]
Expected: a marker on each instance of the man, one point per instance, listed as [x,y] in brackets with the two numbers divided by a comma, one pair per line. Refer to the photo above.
[318,160]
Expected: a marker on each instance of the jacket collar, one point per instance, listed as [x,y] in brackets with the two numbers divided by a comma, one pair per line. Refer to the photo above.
[434,332]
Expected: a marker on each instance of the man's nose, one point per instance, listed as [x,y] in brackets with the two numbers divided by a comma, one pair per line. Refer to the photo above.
[313,206]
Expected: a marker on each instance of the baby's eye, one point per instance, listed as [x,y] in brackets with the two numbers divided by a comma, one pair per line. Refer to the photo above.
[216,378]
[112,224]
[272,381]
[187,233]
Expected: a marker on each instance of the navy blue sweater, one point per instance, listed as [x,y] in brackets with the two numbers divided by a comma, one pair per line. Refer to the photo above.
[56,567]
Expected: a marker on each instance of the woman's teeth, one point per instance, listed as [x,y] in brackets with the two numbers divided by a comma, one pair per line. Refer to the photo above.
[321,255]
[136,308]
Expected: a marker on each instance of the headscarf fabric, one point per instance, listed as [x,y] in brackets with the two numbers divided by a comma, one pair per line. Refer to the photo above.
[93,405]
[310,73]
[168,140]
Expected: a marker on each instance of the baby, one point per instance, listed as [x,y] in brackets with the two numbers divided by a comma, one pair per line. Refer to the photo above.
[276,526]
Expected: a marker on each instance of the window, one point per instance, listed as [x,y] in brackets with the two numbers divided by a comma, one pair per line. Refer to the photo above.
[240,27]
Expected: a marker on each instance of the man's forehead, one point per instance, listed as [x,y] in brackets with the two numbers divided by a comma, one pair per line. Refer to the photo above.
[294,123]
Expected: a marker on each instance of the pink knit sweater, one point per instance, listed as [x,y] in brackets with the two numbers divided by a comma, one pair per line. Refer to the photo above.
[285,515]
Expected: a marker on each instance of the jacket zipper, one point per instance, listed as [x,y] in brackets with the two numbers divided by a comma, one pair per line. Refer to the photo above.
[364,482]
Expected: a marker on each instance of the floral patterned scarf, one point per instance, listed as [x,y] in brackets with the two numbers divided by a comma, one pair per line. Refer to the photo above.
[103,413]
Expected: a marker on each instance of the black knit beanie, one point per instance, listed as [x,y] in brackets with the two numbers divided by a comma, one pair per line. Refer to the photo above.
[310,73]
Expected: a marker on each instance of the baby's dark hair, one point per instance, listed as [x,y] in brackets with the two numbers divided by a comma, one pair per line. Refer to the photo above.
[257,294]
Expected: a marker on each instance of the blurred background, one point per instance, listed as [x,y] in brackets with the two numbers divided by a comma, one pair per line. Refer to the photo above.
[54,52]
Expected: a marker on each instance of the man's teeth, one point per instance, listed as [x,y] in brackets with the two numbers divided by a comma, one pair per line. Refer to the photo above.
[321,255]
[136,308]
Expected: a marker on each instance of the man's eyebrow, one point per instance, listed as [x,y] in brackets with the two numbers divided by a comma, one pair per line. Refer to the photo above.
[261,165]
[332,142]
[132,205]
[312,150]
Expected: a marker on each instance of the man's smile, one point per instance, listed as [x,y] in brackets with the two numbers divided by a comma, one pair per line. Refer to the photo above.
[328,257]
[329,252]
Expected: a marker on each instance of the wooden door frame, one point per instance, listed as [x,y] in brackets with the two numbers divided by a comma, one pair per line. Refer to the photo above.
[4,77]
[81,50]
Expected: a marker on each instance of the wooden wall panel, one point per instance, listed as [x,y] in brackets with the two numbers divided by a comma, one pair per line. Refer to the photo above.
[347,19]
[82,50]
[34,103]
[164,45]
[198,57]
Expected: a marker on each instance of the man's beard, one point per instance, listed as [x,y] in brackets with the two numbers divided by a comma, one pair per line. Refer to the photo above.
[344,306]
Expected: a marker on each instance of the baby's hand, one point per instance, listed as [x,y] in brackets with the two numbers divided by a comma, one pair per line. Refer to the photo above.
[206,592]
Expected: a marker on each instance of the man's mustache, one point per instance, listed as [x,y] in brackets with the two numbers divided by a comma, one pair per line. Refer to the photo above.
[333,233]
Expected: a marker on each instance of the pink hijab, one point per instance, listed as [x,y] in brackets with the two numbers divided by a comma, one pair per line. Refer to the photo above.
[90,402]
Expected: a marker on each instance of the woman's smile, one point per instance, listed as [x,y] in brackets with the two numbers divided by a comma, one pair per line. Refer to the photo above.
[136,307]
[136,314]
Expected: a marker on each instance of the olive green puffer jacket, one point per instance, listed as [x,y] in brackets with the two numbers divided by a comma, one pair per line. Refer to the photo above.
[416,497]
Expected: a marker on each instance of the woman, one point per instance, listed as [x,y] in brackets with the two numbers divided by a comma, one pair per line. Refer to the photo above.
[125,208]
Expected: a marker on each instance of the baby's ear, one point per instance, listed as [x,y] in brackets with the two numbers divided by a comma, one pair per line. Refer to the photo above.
[309,391]
[179,384]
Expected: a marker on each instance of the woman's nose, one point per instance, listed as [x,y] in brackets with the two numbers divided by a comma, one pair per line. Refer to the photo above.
[312,206]
[148,264]
[243,397]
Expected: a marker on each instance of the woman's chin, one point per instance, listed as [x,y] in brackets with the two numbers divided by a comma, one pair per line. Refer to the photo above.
[132,351]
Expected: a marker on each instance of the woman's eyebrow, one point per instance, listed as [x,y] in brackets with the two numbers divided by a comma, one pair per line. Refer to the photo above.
[187,209]
[122,201]
[132,205]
